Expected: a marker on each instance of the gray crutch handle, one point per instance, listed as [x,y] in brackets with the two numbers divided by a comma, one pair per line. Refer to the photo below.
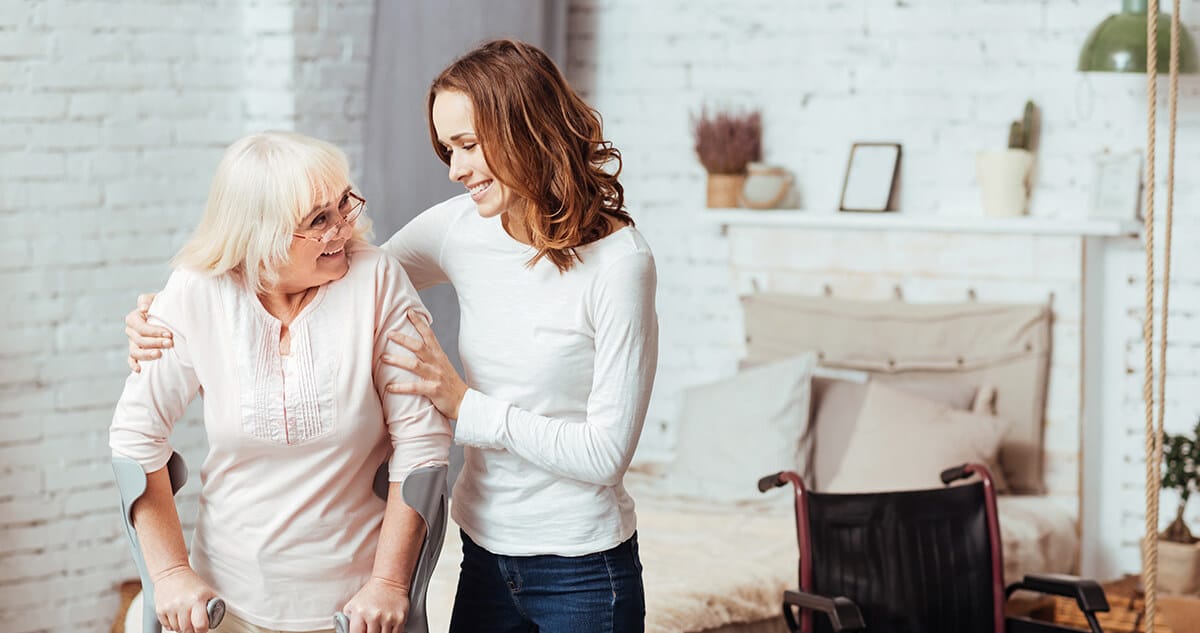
[216,612]
[131,484]
[424,490]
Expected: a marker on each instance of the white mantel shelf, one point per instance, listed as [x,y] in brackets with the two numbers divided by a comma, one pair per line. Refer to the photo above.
[897,221]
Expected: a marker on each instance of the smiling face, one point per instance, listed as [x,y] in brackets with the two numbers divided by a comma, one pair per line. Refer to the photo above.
[313,263]
[454,123]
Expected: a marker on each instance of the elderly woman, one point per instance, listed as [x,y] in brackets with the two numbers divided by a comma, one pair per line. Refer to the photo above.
[277,308]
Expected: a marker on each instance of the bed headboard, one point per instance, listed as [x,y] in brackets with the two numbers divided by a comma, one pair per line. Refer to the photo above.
[1003,345]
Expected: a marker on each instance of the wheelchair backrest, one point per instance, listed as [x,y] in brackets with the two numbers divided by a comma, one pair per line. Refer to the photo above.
[914,561]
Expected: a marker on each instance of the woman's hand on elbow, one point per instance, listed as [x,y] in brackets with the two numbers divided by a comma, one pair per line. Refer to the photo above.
[437,378]
[181,600]
[145,340]
[381,606]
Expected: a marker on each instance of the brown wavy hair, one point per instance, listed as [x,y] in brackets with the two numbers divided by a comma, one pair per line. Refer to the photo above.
[542,141]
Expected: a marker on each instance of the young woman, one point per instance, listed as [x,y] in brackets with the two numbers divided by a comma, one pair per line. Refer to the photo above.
[277,308]
[558,339]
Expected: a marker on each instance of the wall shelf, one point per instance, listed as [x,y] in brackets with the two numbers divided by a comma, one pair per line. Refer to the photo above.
[895,221]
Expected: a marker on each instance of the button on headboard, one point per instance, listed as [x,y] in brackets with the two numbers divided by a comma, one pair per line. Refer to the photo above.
[1003,345]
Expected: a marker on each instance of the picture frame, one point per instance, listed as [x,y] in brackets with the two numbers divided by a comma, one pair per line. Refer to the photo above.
[1116,188]
[871,177]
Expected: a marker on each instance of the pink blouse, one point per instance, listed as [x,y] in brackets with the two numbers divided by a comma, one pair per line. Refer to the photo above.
[288,523]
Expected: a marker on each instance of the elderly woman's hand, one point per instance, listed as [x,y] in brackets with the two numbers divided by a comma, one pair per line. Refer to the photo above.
[439,381]
[144,339]
[181,600]
[381,606]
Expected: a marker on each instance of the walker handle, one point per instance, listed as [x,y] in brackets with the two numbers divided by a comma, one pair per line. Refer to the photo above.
[341,623]
[216,612]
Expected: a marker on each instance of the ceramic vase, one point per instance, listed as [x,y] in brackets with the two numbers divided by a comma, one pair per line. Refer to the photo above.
[1004,181]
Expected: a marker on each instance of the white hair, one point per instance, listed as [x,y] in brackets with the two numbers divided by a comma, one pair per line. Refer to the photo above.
[265,185]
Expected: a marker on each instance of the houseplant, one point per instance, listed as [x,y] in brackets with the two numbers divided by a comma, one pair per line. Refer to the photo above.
[1004,174]
[1178,554]
[726,142]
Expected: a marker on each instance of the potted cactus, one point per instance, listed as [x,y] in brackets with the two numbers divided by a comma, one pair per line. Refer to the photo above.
[726,143]
[1004,174]
[1178,555]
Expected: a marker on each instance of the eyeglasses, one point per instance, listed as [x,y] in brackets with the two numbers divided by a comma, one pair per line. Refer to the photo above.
[351,207]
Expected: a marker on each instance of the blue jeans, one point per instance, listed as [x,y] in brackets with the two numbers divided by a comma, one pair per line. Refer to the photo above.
[595,593]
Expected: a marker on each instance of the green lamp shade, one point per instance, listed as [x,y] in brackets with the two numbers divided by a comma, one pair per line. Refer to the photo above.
[1118,45]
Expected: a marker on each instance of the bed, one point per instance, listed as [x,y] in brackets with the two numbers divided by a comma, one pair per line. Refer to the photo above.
[722,566]
[723,569]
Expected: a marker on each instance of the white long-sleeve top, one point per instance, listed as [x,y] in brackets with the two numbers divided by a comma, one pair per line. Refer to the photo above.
[560,368]
[288,523]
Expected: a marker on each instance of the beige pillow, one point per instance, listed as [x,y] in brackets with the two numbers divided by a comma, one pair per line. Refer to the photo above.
[837,404]
[903,442]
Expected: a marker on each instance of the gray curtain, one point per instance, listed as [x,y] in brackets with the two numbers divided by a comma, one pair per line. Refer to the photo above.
[413,41]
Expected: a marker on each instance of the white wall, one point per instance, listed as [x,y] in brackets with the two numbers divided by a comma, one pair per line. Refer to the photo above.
[112,118]
[943,77]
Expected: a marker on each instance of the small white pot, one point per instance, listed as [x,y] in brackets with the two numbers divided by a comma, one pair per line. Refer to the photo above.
[1004,181]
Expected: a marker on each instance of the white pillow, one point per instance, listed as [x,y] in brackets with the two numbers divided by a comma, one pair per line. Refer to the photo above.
[734,431]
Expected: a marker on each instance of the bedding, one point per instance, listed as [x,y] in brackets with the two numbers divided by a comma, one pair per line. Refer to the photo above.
[722,568]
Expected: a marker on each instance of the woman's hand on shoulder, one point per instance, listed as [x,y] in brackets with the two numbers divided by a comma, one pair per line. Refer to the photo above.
[181,600]
[381,605]
[439,381]
[145,340]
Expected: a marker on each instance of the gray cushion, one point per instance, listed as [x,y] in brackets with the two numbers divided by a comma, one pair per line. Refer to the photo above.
[733,431]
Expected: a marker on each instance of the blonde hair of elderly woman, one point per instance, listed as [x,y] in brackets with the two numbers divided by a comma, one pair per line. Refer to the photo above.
[264,186]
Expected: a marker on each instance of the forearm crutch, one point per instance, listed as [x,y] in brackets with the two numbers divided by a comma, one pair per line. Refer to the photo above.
[424,490]
[131,484]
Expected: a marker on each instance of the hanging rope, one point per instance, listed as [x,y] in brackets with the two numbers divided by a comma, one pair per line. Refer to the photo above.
[1154,427]
[1150,539]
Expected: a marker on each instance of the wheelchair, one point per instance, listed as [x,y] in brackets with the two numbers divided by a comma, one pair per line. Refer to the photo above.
[920,561]
[424,490]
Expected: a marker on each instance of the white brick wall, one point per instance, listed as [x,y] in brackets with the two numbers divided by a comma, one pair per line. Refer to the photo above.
[112,118]
[943,77]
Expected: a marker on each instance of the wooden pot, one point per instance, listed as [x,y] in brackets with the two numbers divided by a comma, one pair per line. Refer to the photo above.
[725,190]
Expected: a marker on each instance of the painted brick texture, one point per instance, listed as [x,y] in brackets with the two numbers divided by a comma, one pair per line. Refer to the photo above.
[112,118]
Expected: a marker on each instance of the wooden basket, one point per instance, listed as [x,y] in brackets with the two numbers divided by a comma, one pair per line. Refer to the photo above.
[1125,613]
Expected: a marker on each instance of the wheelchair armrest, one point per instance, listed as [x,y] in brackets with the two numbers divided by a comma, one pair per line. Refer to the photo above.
[842,613]
[1087,593]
